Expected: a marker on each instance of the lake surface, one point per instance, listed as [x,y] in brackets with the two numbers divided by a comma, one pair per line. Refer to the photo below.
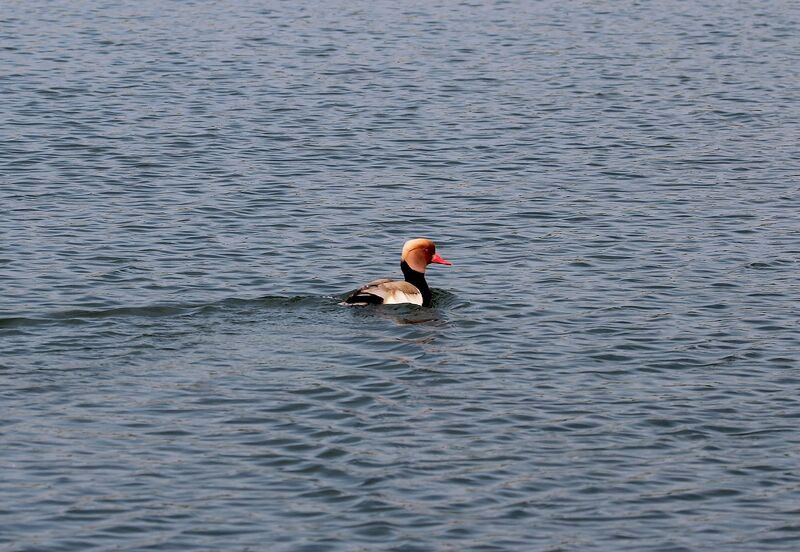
[188,189]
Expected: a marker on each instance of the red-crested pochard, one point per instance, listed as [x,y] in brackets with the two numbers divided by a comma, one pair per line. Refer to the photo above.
[417,255]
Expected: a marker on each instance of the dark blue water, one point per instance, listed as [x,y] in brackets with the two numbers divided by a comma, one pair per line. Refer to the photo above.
[187,189]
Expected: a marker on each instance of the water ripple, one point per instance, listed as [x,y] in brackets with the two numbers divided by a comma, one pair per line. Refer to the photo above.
[189,189]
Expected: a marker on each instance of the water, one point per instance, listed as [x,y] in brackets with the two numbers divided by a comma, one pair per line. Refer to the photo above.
[188,189]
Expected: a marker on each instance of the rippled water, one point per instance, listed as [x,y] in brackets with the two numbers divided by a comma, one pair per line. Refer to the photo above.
[187,190]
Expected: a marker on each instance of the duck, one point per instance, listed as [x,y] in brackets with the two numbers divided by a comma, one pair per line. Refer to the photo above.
[416,256]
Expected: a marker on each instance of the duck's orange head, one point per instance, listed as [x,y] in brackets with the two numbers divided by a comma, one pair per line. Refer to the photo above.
[421,252]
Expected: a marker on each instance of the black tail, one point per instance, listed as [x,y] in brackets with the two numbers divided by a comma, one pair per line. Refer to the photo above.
[361,298]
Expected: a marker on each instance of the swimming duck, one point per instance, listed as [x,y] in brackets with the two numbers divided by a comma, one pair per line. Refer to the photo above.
[417,255]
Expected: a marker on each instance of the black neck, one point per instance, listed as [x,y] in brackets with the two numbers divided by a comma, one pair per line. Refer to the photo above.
[417,279]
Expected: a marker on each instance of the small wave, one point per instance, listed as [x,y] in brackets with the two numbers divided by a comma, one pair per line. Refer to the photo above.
[441,300]
[164,310]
